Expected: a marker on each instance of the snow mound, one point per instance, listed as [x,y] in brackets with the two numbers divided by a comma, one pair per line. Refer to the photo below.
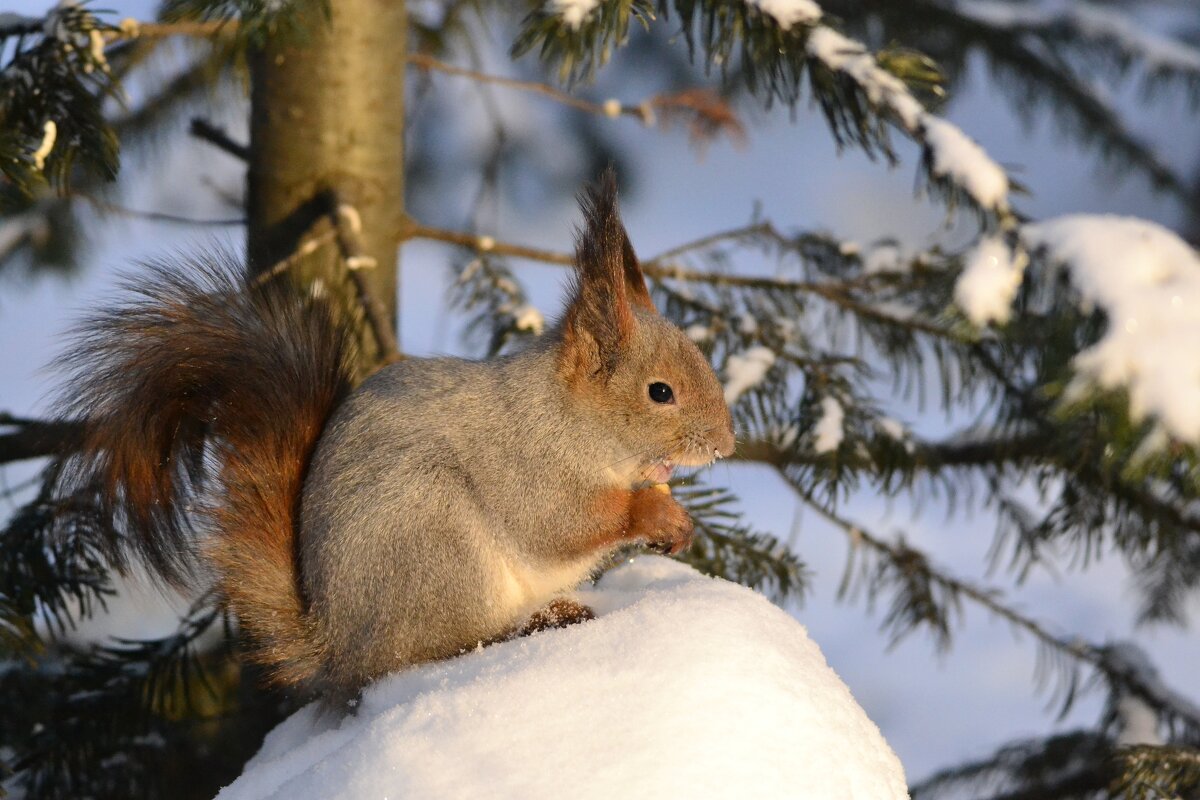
[684,686]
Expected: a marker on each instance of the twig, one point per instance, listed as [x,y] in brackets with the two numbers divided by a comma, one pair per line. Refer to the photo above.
[663,267]
[205,130]
[37,438]
[306,247]
[153,216]
[703,103]
[130,28]
[348,227]
[486,244]
[426,62]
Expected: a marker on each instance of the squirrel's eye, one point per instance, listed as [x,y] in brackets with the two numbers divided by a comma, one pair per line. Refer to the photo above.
[661,393]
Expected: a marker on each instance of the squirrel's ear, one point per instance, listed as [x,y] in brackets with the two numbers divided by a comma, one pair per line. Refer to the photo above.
[635,281]
[608,282]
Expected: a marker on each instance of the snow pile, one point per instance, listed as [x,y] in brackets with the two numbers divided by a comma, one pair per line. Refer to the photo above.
[828,432]
[789,12]
[685,687]
[991,275]
[1147,281]
[953,154]
[744,371]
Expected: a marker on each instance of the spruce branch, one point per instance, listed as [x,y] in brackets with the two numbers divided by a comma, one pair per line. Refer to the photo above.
[1033,66]
[1150,772]
[930,597]
[863,95]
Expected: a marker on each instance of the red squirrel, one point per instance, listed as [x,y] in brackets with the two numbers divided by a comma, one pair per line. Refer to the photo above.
[442,503]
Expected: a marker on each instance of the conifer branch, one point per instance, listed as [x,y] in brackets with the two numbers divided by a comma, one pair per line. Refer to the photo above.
[916,570]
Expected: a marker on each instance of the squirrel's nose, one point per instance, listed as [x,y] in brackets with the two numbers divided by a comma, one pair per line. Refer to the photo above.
[723,442]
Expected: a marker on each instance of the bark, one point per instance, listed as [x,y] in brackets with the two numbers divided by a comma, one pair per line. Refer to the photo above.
[326,126]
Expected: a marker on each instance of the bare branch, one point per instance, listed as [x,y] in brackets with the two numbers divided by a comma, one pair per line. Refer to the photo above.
[153,216]
[710,113]
[216,136]
[37,438]
[348,227]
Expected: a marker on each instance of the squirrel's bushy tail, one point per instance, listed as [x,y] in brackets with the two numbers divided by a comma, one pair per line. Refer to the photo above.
[203,400]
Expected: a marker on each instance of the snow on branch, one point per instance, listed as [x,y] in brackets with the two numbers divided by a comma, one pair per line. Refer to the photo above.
[1143,277]
[950,155]
[775,45]
[1161,55]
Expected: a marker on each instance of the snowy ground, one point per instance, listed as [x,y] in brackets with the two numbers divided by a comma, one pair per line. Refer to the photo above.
[683,687]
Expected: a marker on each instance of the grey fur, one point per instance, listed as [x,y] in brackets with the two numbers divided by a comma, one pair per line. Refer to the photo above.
[447,499]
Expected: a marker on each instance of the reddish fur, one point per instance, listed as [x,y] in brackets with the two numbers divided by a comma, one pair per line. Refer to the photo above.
[199,371]
[609,283]
[639,516]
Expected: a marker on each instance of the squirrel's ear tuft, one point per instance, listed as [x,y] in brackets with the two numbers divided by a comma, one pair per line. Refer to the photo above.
[608,283]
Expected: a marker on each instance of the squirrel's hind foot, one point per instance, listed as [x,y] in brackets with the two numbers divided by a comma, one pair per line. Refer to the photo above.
[558,613]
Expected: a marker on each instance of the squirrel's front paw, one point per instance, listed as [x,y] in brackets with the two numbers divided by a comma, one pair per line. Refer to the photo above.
[658,520]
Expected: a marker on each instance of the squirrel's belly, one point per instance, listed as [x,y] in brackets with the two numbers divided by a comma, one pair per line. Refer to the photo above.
[525,588]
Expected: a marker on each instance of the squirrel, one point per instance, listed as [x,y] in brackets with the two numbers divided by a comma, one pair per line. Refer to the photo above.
[442,503]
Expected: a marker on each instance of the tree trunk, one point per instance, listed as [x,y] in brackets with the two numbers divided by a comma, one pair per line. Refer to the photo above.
[327,123]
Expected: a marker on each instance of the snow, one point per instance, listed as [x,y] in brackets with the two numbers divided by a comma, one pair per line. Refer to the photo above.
[1137,721]
[957,157]
[828,432]
[683,687]
[885,258]
[954,155]
[1147,281]
[892,427]
[574,12]
[843,54]
[744,371]
[1157,52]
[991,275]
[49,136]
[528,318]
[789,12]
[1090,22]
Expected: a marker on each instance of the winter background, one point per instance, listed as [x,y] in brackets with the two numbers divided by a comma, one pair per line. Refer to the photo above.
[934,710]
